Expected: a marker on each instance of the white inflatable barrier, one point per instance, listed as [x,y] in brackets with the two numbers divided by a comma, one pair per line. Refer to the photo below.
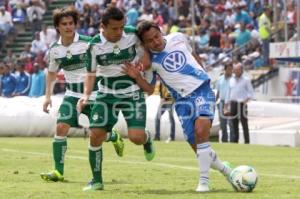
[23,116]
[269,123]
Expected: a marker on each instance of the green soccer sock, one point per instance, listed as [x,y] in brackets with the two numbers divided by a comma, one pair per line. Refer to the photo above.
[95,157]
[112,136]
[59,150]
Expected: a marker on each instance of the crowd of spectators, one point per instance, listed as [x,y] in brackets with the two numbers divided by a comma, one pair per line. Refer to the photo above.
[222,28]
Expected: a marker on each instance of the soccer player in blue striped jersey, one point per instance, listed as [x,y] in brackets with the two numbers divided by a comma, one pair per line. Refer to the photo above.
[181,72]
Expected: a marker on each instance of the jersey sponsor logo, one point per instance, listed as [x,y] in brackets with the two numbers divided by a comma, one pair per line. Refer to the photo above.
[174,61]
[199,101]
[103,57]
[117,57]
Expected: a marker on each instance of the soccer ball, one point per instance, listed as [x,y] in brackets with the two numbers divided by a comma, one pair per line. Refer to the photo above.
[243,178]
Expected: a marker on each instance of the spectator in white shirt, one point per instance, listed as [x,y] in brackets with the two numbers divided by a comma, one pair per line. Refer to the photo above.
[37,45]
[5,21]
[253,31]
[222,87]
[229,18]
[48,35]
[35,13]
[239,93]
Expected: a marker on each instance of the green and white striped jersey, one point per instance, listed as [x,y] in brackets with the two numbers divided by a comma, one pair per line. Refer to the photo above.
[107,58]
[73,61]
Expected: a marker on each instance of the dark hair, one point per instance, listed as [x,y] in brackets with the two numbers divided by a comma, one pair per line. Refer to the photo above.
[58,14]
[227,65]
[145,26]
[112,13]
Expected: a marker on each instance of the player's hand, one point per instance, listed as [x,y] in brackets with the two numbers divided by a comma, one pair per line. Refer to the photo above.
[140,66]
[131,70]
[47,102]
[82,102]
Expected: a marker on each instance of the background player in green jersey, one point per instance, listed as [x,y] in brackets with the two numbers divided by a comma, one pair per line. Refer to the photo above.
[70,54]
[109,50]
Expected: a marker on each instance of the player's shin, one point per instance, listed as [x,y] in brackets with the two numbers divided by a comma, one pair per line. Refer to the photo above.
[59,150]
[218,165]
[95,159]
[204,161]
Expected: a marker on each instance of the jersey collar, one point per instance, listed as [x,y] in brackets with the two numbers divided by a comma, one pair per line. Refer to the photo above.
[104,40]
[76,38]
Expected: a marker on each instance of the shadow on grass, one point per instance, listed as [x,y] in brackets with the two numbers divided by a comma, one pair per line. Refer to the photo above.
[112,182]
[176,192]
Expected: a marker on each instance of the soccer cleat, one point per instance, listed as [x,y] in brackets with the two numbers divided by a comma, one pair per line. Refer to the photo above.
[93,186]
[229,166]
[202,187]
[52,176]
[149,150]
[119,143]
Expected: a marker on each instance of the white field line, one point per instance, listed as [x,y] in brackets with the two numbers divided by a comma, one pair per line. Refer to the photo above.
[165,165]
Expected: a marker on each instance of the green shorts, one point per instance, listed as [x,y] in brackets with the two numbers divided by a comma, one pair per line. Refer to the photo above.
[107,107]
[67,112]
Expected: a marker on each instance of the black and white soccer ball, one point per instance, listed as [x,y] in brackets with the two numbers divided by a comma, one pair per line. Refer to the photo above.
[243,178]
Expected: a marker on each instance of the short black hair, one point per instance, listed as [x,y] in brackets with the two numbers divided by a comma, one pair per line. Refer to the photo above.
[112,13]
[145,26]
[227,65]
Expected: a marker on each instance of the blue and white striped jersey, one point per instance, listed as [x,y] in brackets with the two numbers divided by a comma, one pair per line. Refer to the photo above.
[178,69]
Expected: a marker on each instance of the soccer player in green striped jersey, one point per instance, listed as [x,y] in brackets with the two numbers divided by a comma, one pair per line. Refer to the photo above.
[70,54]
[109,50]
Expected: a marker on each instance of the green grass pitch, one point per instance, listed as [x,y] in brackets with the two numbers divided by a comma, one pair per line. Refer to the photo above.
[172,174]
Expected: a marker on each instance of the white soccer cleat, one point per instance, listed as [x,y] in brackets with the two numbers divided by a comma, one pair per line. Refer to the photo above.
[202,187]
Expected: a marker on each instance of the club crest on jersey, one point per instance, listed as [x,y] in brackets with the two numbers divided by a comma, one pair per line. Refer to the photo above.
[116,50]
[69,54]
[174,61]
[95,117]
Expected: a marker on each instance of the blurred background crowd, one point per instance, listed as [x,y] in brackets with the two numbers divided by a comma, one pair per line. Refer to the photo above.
[220,31]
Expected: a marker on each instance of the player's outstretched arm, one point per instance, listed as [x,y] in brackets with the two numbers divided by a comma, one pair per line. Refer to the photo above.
[133,71]
[50,80]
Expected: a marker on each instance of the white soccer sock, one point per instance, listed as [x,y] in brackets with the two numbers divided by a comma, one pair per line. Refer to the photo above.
[217,164]
[147,133]
[204,161]
[95,148]
[108,135]
[58,138]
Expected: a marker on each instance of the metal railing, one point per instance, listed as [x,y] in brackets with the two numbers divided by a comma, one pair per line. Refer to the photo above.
[265,77]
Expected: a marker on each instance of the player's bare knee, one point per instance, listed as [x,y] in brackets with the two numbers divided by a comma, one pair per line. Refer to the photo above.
[62,129]
[137,136]
[202,134]
[136,139]
[97,137]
